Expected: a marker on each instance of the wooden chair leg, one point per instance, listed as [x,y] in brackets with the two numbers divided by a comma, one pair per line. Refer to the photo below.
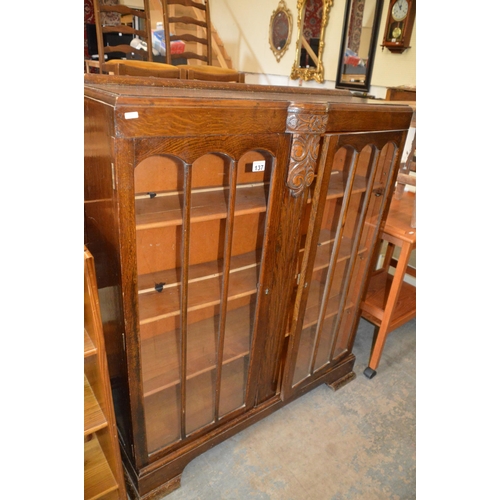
[413,222]
[398,192]
[374,339]
[390,307]
[388,256]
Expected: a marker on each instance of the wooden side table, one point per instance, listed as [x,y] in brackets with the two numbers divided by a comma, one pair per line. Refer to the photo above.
[401,93]
[390,301]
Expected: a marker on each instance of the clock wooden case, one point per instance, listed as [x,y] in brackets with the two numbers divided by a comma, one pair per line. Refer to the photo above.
[233,228]
[399,25]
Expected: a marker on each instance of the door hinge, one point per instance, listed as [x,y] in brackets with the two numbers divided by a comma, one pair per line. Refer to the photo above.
[123,339]
[113,176]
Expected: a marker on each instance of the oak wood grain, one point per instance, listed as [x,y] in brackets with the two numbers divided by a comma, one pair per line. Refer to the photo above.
[250,264]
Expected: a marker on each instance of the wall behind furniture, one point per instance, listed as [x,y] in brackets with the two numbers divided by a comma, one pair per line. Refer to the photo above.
[244,29]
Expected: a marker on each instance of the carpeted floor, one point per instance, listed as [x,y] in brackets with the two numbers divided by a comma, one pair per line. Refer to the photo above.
[358,443]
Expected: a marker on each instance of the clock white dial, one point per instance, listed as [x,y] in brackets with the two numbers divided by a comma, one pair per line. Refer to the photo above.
[400,10]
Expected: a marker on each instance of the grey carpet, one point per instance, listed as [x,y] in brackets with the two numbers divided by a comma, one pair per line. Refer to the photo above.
[356,443]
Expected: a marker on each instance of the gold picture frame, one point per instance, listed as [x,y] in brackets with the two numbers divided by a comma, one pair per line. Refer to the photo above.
[280,30]
[315,71]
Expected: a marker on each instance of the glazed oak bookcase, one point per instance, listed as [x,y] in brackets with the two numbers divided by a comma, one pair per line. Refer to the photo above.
[233,227]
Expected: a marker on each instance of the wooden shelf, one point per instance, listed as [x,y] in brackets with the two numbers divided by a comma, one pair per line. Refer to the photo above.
[325,247]
[204,290]
[337,186]
[103,475]
[198,272]
[163,414]
[302,366]
[94,418]
[98,477]
[200,395]
[315,296]
[165,209]
[374,305]
[324,252]
[160,355]
[324,342]
[326,241]
[89,349]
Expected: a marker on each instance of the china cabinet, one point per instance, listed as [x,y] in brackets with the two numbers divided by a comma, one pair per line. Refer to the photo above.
[233,227]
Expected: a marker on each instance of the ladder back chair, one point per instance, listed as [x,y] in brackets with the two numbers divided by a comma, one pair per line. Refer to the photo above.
[124,42]
[189,21]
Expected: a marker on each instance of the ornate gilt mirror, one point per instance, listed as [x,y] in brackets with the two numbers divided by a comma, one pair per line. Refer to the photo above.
[312,21]
[280,30]
[357,48]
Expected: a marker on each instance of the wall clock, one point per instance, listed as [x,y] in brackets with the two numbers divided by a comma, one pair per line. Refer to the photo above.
[399,25]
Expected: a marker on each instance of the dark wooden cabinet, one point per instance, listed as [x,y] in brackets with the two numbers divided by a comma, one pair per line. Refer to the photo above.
[233,227]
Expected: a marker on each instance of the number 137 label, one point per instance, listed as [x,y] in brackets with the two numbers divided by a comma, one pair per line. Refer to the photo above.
[258,166]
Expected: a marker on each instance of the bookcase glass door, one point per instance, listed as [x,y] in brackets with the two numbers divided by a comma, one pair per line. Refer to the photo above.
[200,233]
[348,228]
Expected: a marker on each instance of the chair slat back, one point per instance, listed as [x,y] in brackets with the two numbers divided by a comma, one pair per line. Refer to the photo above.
[188,21]
[114,21]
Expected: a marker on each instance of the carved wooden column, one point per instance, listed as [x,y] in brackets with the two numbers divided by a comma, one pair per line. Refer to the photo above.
[306,125]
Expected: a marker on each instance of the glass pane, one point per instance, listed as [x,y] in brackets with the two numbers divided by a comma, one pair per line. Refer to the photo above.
[368,239]
[198,272]
[336,251]
[162,417]
[250,209]
[158,205]
[200,391]
[234,377]
[210,192]
[349,246]
[322,295]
